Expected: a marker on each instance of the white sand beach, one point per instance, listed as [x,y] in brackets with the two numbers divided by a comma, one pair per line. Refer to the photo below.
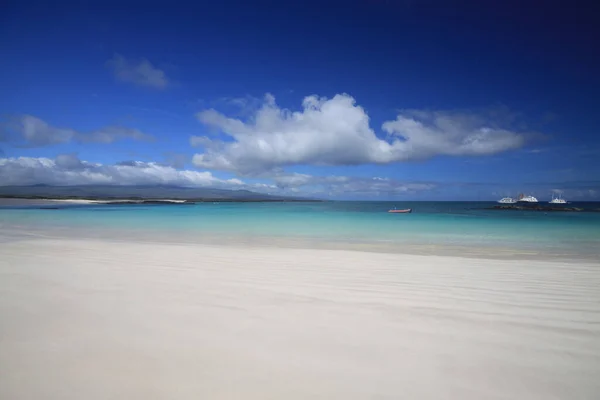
[98,319]
[45,202]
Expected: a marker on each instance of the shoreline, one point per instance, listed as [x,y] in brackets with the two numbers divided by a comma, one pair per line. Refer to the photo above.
[569,238]
[44,200]
[117,201]
[227,241]
[149,200]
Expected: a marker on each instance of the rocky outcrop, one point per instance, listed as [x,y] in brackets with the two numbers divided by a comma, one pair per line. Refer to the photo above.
[538,207]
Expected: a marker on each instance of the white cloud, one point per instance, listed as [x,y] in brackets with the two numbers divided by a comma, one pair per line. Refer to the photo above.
[336,131]
[176,160]
[242,106]
[427,134]
[139,72]
[339,185]
[38,133]
[197,141]
[69,162]
[293,180]
[67,169]
[110,134]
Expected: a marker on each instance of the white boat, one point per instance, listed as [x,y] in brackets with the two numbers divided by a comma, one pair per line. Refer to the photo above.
[507,200]
[527,199]
[557,200]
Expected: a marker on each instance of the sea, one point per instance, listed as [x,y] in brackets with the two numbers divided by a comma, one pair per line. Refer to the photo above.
[456,228]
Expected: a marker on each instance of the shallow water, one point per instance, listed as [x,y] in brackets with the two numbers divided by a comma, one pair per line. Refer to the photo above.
[459,225]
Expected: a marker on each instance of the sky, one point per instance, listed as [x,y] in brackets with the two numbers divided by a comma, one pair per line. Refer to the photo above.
[363,99]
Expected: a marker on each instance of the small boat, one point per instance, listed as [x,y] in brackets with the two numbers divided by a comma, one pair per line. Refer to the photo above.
[507,200]
[404,211]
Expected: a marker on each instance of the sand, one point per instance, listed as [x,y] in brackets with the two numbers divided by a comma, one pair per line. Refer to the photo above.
[95,319]
[45,202]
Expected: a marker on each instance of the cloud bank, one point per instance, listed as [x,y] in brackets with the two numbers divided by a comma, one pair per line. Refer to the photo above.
[337,131]
[37,133]
[335,185]
[68,169]
[138,72]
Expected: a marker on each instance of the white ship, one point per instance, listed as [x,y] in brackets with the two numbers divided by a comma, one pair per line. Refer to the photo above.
[557,200]
[507,200]
[527,199]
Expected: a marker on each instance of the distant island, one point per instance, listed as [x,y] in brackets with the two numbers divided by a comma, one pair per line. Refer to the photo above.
[151,194]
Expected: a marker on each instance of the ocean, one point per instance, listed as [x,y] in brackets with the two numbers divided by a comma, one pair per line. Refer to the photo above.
[462,228]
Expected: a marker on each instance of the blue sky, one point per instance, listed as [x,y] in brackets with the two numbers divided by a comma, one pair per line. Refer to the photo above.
[354,100]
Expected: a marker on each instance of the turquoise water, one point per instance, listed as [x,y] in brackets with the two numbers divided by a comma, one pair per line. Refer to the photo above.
[431,223]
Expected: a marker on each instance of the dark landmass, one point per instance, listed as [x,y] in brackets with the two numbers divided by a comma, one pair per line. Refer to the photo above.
[151,194]
[539,207]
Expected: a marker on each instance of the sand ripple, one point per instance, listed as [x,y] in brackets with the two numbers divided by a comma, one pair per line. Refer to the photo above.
[97,320]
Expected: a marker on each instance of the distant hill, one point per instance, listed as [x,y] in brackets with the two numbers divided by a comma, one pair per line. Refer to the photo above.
[97,192]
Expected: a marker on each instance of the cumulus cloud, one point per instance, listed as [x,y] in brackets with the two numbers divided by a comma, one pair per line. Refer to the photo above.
[138,72]
[337,131]
[67,169]
[427,134]
[37,133]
